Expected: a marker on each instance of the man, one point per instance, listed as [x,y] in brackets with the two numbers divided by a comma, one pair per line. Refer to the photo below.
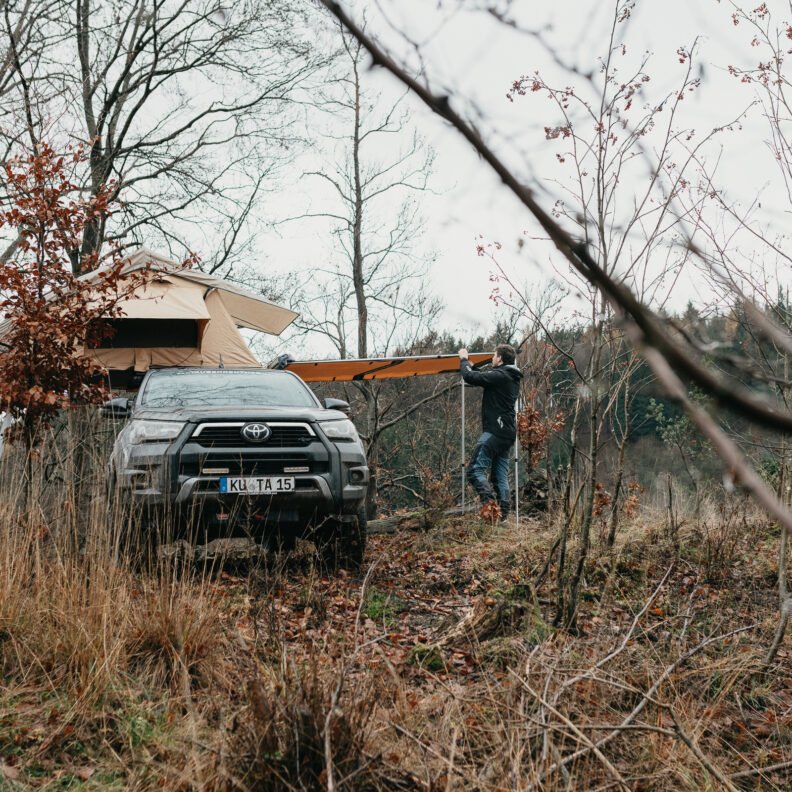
[498,422]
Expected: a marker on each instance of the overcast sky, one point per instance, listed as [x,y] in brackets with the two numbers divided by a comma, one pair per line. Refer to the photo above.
[475,59]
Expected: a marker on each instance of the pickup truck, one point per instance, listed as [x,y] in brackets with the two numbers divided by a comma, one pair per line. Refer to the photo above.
[209,453]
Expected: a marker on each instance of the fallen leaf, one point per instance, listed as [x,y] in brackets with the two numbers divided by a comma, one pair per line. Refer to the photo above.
[11,773]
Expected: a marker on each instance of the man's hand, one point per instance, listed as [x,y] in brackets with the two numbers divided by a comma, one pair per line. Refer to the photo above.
[463,353]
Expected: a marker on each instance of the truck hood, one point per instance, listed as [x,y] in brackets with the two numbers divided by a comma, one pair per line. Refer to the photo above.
[230,414]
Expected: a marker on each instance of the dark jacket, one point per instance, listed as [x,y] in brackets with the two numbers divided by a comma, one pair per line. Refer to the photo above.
[501,388]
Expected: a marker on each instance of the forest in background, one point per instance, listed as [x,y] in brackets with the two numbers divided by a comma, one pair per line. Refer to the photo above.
[418,460]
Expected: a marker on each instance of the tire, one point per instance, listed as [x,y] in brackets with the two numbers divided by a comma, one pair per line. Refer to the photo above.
[115,521]
[283,542]
[343,544]
[130,535]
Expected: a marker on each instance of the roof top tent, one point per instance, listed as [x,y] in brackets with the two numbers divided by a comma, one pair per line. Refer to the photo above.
[181,317]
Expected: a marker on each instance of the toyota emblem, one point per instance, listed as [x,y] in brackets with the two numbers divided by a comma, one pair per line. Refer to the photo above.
[256,432]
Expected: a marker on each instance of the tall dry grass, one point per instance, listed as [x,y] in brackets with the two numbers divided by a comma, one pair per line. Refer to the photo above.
[168,677]
[70,609]
[129,676]
[83,634]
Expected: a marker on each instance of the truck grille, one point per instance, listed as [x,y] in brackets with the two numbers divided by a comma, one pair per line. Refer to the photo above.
[252,466]
[230,436]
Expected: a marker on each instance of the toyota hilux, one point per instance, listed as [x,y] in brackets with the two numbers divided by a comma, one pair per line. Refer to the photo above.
[207,453]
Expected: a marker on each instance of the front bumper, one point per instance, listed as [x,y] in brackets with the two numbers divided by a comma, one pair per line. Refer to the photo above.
[170,480]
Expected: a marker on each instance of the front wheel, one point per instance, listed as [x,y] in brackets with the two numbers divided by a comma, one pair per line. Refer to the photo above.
[131,536]
[342,542]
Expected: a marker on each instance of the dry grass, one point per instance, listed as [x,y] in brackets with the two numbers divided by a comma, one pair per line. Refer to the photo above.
[280,679]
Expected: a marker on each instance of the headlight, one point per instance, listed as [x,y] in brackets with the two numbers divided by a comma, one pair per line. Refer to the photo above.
[153,431]
[340,431]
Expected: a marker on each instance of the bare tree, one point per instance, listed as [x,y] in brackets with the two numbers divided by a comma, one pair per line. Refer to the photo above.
[669,353]
[372,296]
[598,131]
[186,106]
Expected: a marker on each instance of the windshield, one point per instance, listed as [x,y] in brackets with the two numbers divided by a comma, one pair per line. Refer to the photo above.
[212,388]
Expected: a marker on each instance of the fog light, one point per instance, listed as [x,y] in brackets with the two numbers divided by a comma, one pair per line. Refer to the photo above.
[145,479]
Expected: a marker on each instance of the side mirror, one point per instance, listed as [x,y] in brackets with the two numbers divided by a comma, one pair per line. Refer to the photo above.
[282,361]
[337,404]
[115,408]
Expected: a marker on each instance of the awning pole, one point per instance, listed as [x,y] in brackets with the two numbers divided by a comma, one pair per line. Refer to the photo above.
[517,468]
[462,381]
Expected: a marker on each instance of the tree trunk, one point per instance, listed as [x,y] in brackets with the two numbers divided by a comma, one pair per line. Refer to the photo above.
[362,309]
[588,506]
[784,596]
[614,520]
[569,513]
[28,470]
[672,523]
[412,521]
[357,230]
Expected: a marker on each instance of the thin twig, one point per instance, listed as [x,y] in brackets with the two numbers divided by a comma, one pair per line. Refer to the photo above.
[627,637]
[699,754]
[735,395]
[740,470]
[762,770]
[645,699]
[428,748]
[596,751]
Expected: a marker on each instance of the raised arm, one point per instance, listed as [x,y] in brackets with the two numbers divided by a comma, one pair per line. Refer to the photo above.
[473,377]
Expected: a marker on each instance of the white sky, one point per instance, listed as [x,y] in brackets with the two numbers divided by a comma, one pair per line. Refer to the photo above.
[475,58]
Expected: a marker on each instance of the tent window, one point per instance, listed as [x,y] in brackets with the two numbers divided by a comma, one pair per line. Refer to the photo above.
[151,333]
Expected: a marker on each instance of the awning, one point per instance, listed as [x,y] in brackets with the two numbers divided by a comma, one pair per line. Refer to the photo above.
[382,368]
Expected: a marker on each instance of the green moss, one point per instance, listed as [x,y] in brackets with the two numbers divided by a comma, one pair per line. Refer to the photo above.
[502,652]
[520,592]
[381,606]
[538,630]
[428,657]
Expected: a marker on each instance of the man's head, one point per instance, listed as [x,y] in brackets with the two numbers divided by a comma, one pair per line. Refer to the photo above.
[505,355]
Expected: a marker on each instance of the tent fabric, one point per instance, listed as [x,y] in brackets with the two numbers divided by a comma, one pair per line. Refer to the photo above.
[245,308]
[264,317]
[142,358]
[175,298]
[382,368]
[172,293]
[221,337]
[165,298]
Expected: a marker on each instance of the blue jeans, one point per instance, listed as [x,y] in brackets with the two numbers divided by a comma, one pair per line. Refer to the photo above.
[491,451]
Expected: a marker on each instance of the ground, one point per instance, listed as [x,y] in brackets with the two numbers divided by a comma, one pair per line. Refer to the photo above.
[437,666]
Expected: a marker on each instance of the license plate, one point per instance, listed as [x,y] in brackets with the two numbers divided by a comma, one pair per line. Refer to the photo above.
[256,485]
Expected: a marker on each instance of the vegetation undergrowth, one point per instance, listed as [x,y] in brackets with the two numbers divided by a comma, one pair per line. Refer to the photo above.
[437,666]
